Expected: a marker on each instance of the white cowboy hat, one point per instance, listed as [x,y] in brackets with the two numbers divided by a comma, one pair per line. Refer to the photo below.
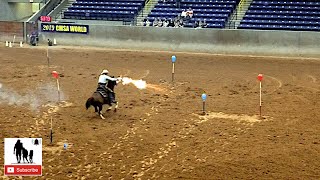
[105,72]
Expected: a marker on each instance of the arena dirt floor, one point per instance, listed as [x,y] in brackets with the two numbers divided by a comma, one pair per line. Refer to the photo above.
[159,132]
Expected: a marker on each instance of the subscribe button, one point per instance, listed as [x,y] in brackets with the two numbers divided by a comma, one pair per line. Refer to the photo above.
[20,170]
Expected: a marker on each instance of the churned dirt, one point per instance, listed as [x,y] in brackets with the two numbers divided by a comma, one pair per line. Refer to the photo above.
[159,132]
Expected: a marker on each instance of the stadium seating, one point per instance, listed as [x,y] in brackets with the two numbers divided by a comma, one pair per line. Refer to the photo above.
[214,12]
[295,15]
[124,10]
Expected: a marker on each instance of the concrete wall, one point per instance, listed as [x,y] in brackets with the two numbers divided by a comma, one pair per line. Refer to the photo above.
[6,13]
[36,7]
[222,41]
[10,29]
[21,10]
[14,11]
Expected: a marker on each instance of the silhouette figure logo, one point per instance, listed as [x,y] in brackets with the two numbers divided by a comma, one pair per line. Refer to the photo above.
[26,158]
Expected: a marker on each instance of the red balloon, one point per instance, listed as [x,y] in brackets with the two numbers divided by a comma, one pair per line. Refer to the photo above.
[55,74]
[260,77]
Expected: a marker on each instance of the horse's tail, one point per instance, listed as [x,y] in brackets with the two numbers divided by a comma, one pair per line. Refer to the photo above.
[89,102]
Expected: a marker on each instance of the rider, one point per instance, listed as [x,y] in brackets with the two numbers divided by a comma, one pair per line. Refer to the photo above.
[34,38]
[104,78]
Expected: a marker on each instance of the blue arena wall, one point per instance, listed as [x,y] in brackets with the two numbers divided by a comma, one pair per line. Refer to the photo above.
[221,41]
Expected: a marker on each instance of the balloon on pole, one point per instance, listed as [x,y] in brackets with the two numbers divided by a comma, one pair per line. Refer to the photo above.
[204,98]
[65,146]
[55,74]
[173,59]
[260,78]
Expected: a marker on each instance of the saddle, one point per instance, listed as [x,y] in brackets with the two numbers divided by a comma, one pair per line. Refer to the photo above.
[103,93]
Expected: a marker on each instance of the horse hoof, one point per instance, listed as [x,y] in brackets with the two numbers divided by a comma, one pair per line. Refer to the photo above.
[115,110]
[102,116]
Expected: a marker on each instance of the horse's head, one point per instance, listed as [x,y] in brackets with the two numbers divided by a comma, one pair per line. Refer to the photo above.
[111,84]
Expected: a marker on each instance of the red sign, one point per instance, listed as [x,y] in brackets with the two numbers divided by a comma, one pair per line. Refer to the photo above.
[45,18]
[55,74]
[260,77]
[23,170]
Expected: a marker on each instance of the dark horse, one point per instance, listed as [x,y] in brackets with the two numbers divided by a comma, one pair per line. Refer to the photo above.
[97,100]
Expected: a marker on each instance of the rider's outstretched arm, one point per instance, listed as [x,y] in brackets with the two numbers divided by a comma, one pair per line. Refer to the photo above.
[112,79]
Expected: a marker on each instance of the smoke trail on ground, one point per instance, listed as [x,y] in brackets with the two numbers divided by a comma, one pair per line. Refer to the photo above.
[33,99]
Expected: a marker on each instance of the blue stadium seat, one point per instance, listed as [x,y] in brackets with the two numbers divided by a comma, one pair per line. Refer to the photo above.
[287,3]
[215,12]
[104,9]
[282,15]
[208,1]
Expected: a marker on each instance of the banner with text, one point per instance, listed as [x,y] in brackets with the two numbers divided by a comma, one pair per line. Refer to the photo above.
[65,28]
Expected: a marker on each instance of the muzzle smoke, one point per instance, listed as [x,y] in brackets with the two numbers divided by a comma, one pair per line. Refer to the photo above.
[140,84]
[33,99]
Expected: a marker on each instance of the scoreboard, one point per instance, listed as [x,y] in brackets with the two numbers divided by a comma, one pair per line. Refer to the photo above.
[45,18]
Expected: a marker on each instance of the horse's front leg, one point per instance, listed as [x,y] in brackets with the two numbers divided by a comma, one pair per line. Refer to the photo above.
[116,107]
[110,107]
[113,105]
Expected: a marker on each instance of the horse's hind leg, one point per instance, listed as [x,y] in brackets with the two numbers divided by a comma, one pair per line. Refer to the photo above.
[100,109]
[96,110]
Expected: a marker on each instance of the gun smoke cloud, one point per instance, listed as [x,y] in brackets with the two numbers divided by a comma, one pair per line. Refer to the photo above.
[32,99]
[140,84]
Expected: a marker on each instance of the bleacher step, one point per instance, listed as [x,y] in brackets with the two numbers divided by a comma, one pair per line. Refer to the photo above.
[238,15]
[145,11]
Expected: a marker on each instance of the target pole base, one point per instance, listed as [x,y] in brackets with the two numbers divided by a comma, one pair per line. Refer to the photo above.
[172,78]
[260,110]
[51,137]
